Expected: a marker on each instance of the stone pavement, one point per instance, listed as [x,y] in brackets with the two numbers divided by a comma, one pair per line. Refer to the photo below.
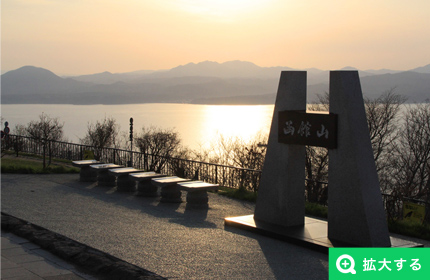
[169,240]
[21,259]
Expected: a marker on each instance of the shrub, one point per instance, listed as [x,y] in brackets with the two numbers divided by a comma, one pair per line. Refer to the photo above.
[410,228]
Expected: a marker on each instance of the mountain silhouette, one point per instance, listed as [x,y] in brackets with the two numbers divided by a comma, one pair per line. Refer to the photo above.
[423,69]
[31,82]
[233,82]
[229,69]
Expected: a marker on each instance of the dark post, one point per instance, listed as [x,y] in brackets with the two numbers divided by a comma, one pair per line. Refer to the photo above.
[16,145]
[44,152]
[130,163]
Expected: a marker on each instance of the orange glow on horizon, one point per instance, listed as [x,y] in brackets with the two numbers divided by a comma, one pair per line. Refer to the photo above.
[85,37]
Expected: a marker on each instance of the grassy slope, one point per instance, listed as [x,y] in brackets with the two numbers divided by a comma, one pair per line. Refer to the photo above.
[10,164]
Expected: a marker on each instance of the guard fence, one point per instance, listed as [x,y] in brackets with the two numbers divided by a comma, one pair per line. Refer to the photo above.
[227,176]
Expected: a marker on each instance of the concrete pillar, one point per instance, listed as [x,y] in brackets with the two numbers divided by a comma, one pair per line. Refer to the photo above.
[281,198]
[355,210]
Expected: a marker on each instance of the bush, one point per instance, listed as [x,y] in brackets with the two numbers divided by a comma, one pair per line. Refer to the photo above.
[241,194]
[315,209]
[410,228]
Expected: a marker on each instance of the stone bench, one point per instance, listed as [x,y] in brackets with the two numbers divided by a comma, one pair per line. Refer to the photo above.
[170,191]
[103,178]
[197,195]
[123,182]
[87,174]
[144,186]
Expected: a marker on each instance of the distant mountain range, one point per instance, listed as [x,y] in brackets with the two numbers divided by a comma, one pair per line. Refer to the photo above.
[233,82]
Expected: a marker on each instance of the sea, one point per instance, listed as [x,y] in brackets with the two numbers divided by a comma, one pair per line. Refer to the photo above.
[198,126]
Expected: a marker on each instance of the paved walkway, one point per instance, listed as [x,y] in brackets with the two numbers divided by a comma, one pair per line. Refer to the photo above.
[167,239]
[21,259]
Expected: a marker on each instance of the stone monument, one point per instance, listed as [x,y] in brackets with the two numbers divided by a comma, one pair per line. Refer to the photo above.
[356,215]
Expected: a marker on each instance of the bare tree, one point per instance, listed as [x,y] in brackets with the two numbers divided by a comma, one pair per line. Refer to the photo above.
[241,153]
[410,155]
[19,129]
[157,146]
[100,135]
[247,154]
[382,120]
[18,142]
[45,130]
[323,103]
[316,168]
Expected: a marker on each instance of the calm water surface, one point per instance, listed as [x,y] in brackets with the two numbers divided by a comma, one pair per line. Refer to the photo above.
[197,125]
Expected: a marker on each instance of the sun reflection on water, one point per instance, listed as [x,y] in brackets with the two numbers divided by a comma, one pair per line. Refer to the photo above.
[240,121]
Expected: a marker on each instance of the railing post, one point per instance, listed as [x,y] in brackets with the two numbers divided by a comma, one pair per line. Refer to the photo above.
[49,151]
[130,164]
[44,152]
[16,145]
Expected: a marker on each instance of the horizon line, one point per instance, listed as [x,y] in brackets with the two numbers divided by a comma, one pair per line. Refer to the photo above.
[220,63]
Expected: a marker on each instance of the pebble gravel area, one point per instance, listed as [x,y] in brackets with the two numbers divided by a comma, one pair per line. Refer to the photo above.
[164,239]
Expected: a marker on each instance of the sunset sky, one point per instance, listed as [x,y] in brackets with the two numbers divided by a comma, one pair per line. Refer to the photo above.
[72,37]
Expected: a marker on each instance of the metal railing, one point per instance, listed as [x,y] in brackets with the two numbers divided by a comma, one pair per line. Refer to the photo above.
[228,176]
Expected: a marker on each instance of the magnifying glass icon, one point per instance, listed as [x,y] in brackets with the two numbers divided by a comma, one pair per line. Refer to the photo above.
[345,264]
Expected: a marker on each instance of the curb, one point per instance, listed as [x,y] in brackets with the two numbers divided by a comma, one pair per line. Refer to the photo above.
[92,260]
